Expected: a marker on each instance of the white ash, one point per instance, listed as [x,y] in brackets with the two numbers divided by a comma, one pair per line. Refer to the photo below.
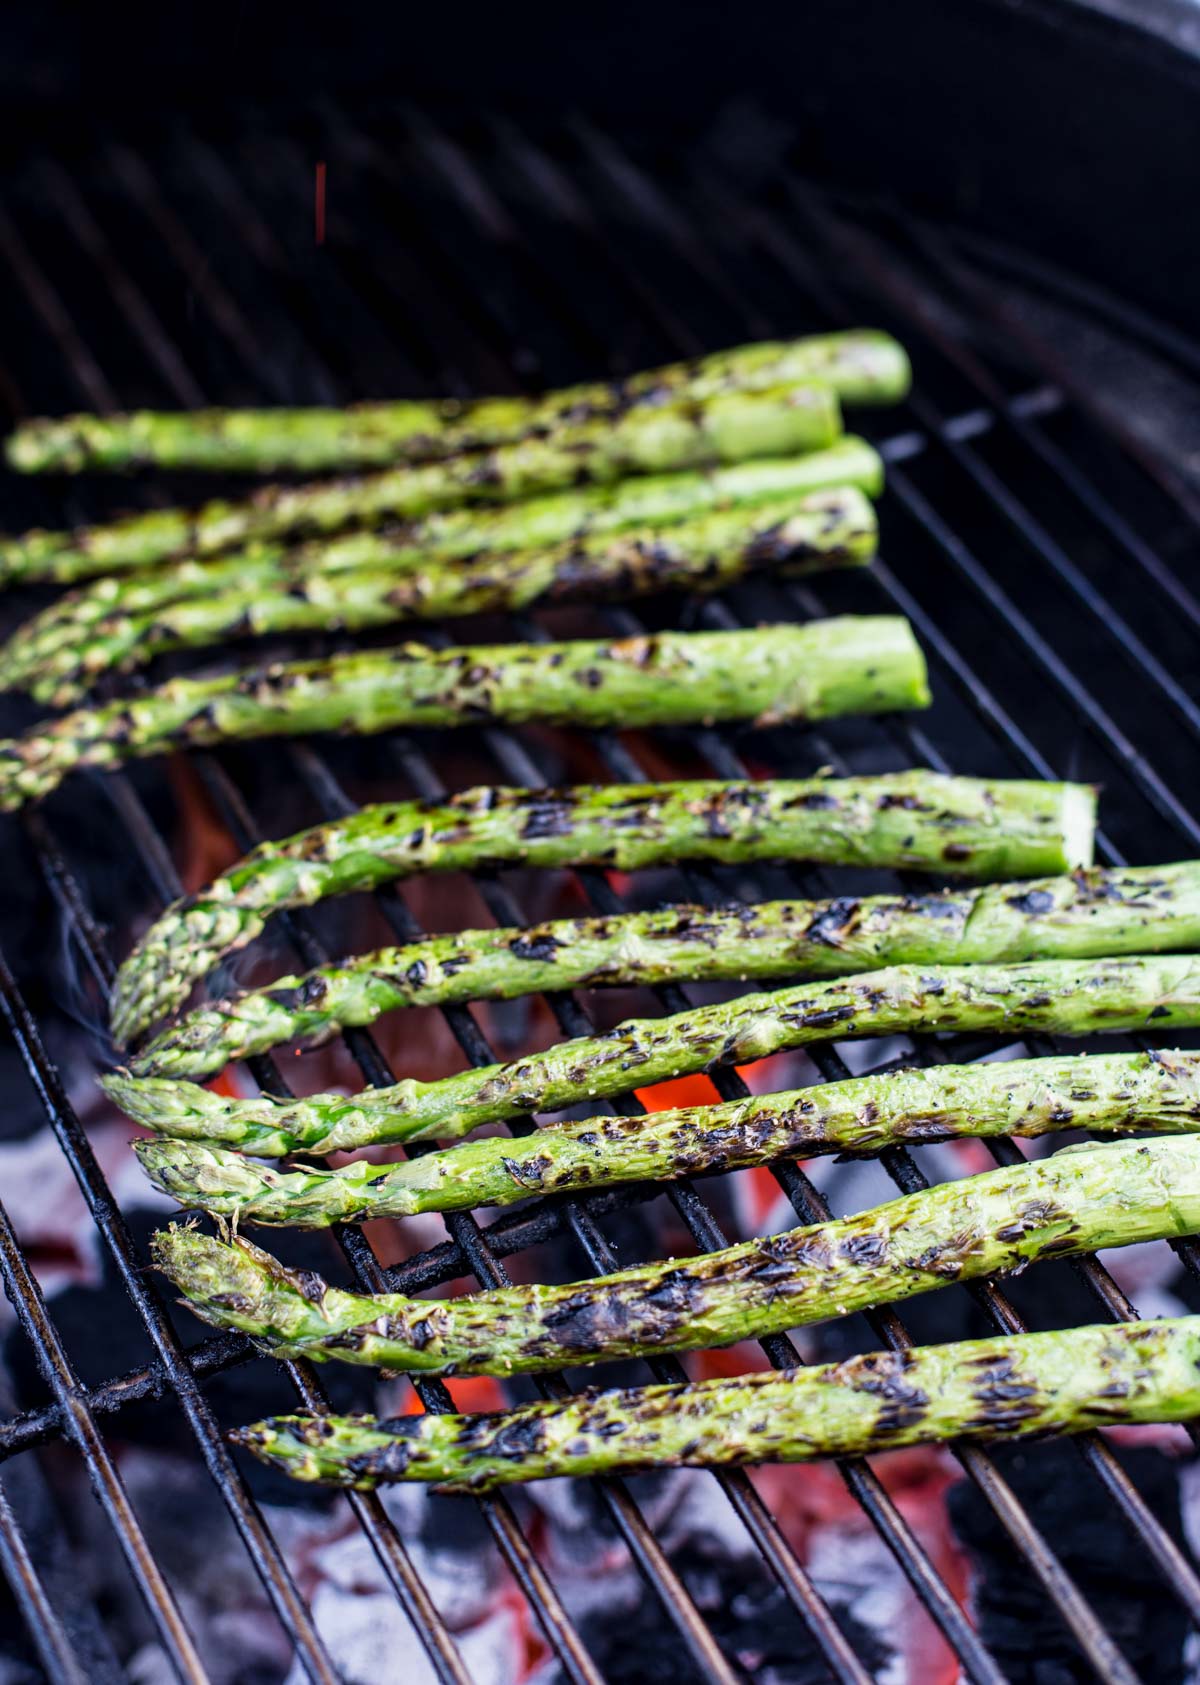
[372,1640]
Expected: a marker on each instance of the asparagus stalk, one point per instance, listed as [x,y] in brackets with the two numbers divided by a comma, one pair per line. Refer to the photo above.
[733,427]
[856,664]
[1007,1387]
[1143,909]
[914,819]
[861,366]
[568,518]
[1109,1095]
[1078,1201]
[829,529]
[1064,997]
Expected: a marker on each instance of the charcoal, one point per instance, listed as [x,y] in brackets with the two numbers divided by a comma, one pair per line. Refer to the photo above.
[749,1616]
[105,1339]
[1018,1623]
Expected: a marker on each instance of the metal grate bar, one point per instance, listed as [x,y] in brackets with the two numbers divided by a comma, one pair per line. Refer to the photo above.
[130,300]
[113,1229]
[1083,703]
[54,1648]
[197,270]
[855,249]
[1163,341]
[1082,486]
[25,1295]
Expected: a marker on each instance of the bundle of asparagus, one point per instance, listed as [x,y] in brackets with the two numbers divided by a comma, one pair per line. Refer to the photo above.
[732,427]
[861,366]
[1005,1388]
[865,664]
[1110,1095]
[1054,996]
[1147,909]
[966,826]
[831,529]
[278,513]
[1082,1199]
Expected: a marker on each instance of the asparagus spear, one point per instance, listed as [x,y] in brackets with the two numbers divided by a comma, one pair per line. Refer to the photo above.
[1111,1095]
[539,523]
[569,518]
[1055,996]
[862,366]
[1004,1388]
[1080,1200]
[1143,909]
[828,529]
[915,819]
[856,664]
[731,428]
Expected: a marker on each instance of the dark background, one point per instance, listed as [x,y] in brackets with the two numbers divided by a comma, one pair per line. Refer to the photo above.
[1046,124]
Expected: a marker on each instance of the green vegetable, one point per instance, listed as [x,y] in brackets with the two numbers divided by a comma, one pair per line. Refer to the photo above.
[1142,909]
[733,427]
[565,519]
[965,826]
[1064,997]
[856,664]
[861,366]
[1004,1388]
[1080,1200]
[1111,1095]
[825,530]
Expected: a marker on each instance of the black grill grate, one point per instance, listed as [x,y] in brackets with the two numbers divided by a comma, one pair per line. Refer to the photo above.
[1033,550]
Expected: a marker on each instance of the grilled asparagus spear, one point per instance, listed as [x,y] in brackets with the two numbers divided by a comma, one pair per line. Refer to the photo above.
[1056,996]
[915,819]
[862,366]
[1142,909]
[733,427]
[1113,1094]
[567,518]
[1004,1388]
[1078,1201]
[856,664]
[829,529]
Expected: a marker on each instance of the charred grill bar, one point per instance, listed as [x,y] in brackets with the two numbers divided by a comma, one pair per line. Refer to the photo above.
[1007,445]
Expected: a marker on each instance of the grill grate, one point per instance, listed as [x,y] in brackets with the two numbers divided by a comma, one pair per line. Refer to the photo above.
[478,259]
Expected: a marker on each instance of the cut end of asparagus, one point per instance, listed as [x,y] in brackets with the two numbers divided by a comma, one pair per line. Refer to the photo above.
[1078,825]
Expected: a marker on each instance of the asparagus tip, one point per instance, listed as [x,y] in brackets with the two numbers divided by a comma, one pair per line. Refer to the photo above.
[185,1108]
[232,1273]
[197,1175]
